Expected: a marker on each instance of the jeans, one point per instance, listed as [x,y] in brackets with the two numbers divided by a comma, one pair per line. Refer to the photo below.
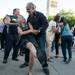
[41,40]
[66,43]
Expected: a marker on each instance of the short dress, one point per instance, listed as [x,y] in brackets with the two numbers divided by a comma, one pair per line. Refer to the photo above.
[24,39]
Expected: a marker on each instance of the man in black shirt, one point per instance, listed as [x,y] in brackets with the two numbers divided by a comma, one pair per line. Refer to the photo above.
[11,37]
[39,22]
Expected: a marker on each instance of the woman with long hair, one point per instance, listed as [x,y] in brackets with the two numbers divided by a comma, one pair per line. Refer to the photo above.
[66,40]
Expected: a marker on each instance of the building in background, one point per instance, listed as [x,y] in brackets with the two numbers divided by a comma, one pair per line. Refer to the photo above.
[51,7]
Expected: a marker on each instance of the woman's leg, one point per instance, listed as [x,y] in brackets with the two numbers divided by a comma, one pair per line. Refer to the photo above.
[32,56]
[69,46]
[63,46]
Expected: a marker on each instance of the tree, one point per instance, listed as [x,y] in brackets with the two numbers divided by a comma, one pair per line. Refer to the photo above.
[69,15]
[50,18]
[1,19]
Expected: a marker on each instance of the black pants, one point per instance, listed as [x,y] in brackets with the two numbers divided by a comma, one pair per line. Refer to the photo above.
[10,42]
[2,40]
[27,55]
[57,37]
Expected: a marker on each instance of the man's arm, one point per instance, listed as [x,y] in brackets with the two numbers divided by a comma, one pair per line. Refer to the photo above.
[44,22]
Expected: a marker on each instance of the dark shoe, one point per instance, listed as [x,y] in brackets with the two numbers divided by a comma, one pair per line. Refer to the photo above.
[4,61]
[46,70]
[15,59]
[57,56]
[64,60]
[24,65]
[51,57]
[68,61]
[49,60]
[21,54]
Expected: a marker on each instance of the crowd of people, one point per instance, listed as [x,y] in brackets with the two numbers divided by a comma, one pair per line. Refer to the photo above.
[35,37]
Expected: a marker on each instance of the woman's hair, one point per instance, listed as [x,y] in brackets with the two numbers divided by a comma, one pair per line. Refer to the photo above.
[63,20]
[14,10]
[57,17]
[6,18]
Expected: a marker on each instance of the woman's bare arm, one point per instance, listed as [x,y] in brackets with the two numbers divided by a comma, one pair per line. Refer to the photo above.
[30,26]
[23,32]
[34,31]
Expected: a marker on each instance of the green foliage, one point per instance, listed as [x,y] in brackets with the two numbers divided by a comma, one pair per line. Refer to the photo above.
[69,15]
[50,18]
[1,19]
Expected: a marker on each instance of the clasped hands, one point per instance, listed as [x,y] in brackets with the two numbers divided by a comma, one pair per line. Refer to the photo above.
[34,31]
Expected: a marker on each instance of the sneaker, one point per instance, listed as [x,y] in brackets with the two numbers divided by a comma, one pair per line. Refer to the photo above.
[24,65]
[4,61]
[46,70]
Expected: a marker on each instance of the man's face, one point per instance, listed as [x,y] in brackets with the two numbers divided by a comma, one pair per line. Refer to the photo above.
[30,10]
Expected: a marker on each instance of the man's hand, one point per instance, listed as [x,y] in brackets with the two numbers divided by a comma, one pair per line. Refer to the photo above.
[35,31]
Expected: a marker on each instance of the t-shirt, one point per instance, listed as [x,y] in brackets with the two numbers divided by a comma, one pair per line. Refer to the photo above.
[13,18]
[24,26]
[50,33]
[66,31]
[13,28]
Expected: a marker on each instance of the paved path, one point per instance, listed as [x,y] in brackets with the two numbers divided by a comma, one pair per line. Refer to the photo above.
[12,67]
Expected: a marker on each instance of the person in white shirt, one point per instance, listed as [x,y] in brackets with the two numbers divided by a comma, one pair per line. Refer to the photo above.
[50,33]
